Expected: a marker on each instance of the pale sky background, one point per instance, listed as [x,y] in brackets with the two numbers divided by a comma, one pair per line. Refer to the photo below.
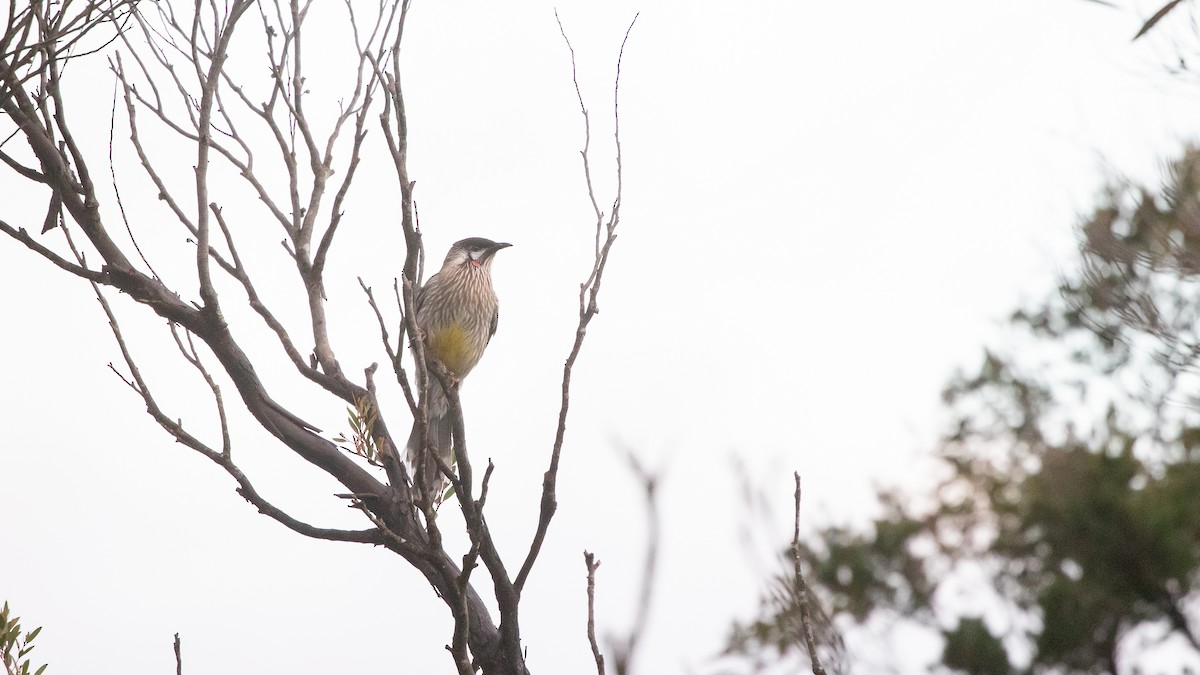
[829,206]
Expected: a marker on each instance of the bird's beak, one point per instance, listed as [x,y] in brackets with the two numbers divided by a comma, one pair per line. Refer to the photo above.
[499,245]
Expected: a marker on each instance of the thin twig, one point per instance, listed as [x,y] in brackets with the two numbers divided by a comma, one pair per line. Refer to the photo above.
[588,309]
[22,236]
[112,171]
[592,563]
[625,649]
[193,357]
[182,64]
[802,592]
[175,428]
[394,354]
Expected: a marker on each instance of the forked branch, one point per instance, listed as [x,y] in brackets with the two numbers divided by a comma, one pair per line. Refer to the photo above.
[180,77]
[589,290]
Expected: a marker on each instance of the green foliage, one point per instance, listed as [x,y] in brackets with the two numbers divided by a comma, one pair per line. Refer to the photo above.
[875,570]
[971,648]
[15,647]
[362,419]
[774,637]
[1070,473]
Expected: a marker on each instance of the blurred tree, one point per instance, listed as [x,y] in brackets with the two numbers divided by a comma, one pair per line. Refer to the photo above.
[1070,476]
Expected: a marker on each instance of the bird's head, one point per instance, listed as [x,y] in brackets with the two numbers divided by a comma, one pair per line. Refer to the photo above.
[473,253]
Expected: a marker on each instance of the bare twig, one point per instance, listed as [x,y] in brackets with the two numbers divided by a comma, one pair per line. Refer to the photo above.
[1158,16]
[624,649]
[181,77]
[23,236]
[209,83]
[178,657]
[394,354]
[802,592]
[592,563]
[175,428]
[31,174]
[192,357]
[589,290]
[112,172]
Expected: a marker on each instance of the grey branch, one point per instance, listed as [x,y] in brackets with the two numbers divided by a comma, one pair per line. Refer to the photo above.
[592,563]
[802,592]
[588,293]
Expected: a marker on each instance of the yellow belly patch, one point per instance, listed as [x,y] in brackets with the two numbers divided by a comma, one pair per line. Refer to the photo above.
[452,347]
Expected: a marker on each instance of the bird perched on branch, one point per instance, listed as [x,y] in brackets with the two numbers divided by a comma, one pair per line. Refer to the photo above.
[457,313]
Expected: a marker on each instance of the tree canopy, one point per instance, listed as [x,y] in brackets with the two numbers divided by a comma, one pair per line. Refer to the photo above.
[1069,476]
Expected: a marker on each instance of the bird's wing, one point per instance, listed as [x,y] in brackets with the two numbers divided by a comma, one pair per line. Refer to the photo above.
[495,322]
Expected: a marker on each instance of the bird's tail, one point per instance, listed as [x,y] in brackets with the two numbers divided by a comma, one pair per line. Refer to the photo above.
[425,469]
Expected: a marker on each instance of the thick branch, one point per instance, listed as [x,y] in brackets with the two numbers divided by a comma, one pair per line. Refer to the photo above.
[223,459]
[202,41]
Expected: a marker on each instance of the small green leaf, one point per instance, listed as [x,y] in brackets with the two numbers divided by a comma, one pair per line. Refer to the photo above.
[33,634]
[39,670]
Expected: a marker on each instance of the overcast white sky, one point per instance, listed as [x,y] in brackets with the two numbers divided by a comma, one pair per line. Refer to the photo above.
[829,206]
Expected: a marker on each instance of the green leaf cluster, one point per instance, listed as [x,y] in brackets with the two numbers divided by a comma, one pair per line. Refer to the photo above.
[15,646]
[1069,473]
[362,441]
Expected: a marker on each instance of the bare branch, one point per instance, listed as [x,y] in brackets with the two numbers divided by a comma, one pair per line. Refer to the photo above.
[394,354]
[112,171]
[624,649]
[190,355]
[588,308]
[186,87]
[372,536]
[131,110]
[209,83]
[22,236]
[592,563]
[335,217]
[459,642]
[397,474]
[1158,16]
[507,596]
[25,171]
[175,428]
[802,592]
